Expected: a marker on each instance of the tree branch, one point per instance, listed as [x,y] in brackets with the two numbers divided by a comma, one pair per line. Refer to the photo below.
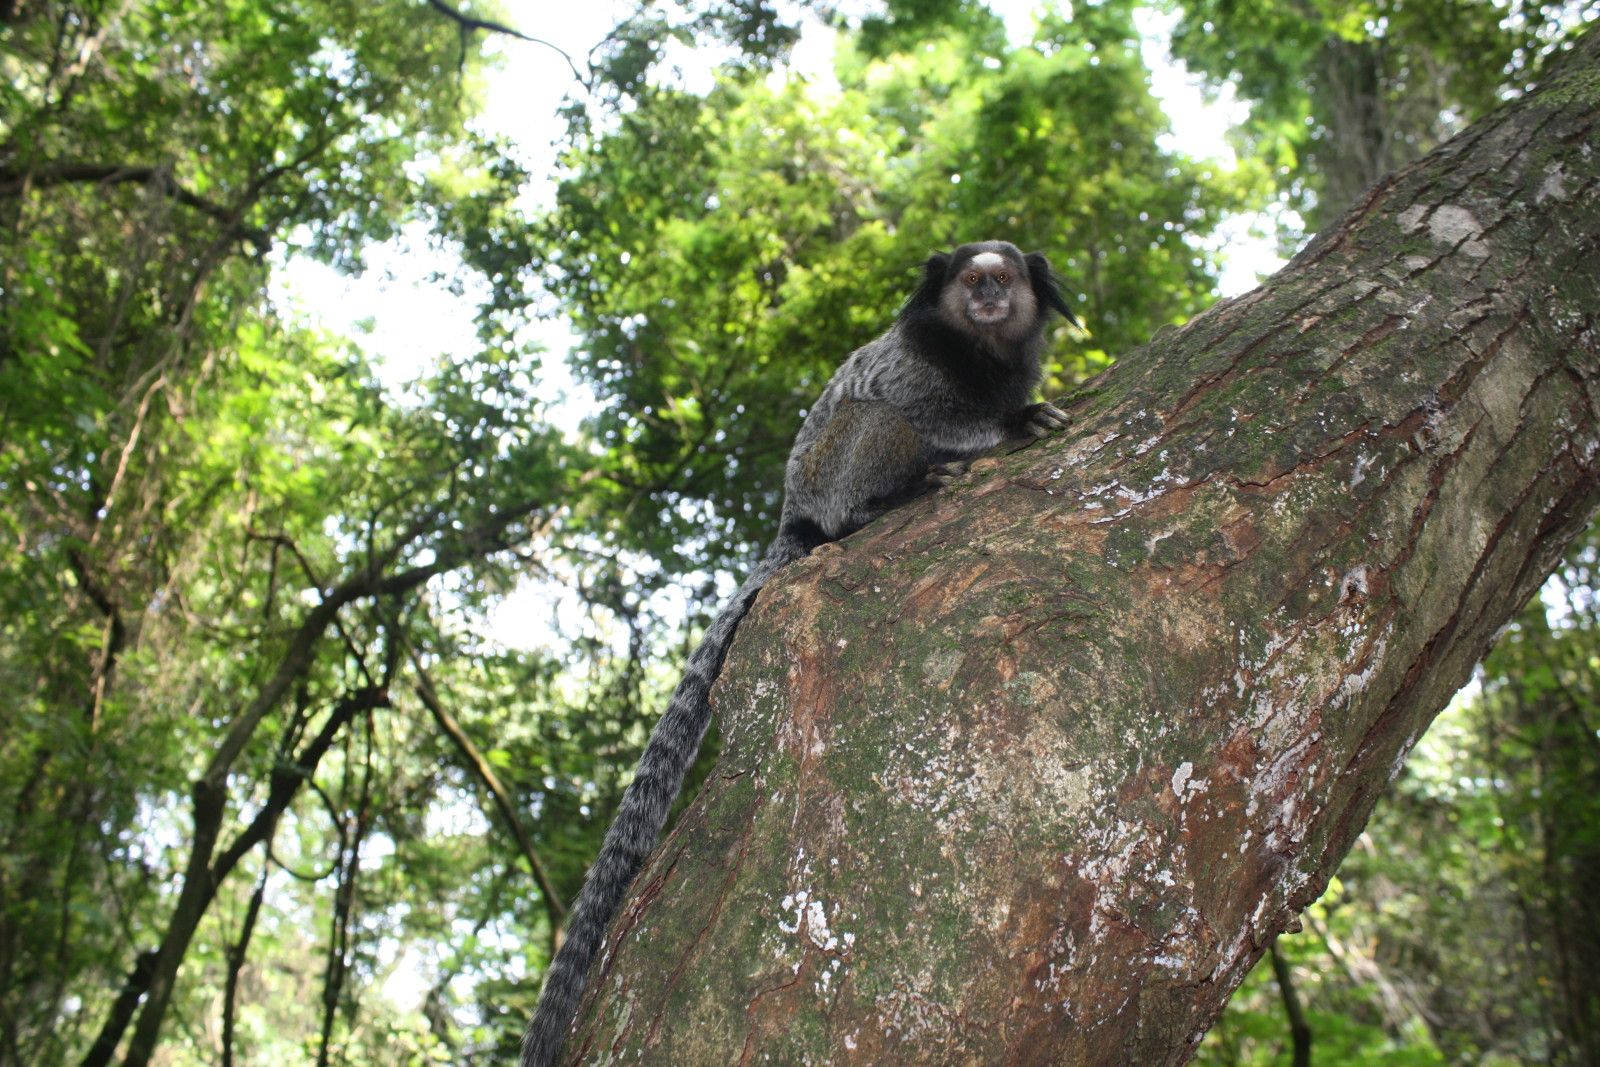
[16,182]
[204,877]
[1299,1029]
[236,953]
[472,22]
[366,581]
[502,797]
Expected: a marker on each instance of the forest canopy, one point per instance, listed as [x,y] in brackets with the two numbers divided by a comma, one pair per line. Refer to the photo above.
[323,682]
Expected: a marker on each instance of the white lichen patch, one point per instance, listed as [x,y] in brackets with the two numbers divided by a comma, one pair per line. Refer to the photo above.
[1354,583]
[807,927]
[1454,225]
[937,774]
[1192,787]
[1116,857]
[1355,683]
[1180,950]
[1180,778]
[1410,219]
[1124,498]
[1554,186]
[911,1011]
[1279,789]
[1359,473]
[795,902]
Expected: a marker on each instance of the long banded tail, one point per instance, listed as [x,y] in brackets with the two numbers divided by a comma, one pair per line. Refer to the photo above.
[643,811]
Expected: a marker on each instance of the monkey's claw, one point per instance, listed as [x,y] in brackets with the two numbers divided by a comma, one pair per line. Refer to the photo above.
[1045,419]
[942,474]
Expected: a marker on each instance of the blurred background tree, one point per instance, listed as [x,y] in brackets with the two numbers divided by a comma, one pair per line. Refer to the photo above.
[322,684]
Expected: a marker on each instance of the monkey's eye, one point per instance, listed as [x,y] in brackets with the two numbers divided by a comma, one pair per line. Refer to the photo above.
[972,277]
[1004,277]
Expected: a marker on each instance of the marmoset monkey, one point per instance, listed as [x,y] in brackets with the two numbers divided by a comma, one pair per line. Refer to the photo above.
[950,380]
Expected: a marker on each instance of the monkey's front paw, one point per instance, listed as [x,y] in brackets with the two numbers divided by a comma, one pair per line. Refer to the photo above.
[943,474]
[1044,419]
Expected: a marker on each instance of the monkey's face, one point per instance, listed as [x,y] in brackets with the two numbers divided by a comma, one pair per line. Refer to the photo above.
[988,291]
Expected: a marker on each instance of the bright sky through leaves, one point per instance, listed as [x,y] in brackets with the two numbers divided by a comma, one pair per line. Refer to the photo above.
[405,293]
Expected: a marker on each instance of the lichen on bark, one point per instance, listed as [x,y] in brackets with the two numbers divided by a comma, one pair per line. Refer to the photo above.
[1033,770]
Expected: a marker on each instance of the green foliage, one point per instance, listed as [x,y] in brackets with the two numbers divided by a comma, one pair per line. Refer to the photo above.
[1342,92]
[224,527]
[737,246]
[220,528]
[189,480]
[1254,1031]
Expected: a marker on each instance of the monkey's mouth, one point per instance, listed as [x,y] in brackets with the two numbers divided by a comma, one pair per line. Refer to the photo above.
[987,313]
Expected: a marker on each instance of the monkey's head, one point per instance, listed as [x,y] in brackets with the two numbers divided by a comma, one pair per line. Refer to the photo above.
[991,289]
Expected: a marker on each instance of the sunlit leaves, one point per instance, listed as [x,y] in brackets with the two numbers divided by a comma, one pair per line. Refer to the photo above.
[721,255]
[1341,93]
[187,477]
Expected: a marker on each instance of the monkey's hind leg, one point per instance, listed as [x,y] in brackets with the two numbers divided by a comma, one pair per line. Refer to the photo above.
[867,461]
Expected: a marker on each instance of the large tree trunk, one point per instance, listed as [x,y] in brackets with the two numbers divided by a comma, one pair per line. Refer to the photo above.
[1033,771]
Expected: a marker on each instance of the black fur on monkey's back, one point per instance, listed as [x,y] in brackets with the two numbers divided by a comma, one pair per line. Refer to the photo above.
[949,381]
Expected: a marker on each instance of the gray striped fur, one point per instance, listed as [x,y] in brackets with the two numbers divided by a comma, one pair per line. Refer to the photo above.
[904,413]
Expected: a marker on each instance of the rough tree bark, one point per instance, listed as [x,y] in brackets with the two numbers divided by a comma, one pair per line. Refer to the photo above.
[1034,770]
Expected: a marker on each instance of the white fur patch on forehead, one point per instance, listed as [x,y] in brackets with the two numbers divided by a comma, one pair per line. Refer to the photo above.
[987,261]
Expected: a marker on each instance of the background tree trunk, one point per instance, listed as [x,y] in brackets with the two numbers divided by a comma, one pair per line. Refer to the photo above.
[1033,771]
